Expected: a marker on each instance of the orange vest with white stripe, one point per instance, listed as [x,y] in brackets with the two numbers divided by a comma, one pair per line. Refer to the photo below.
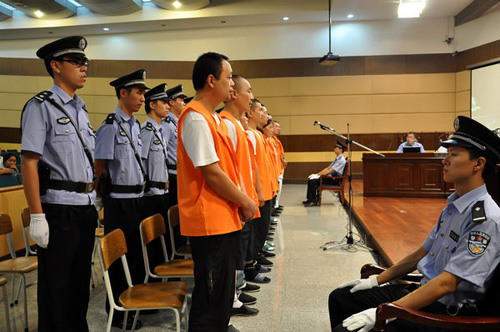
[263,163]
[202,211]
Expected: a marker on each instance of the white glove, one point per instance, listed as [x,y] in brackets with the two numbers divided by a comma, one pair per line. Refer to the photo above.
[39,229]
[361,284]
[364,320]
[313,176]
[98,203]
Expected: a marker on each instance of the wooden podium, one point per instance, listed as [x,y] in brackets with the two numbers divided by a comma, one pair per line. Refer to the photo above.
[404,175]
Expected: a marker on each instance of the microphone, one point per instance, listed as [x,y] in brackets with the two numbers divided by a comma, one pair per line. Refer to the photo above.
[315,123]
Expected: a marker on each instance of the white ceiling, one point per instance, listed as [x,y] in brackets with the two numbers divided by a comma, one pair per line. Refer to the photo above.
[218,13]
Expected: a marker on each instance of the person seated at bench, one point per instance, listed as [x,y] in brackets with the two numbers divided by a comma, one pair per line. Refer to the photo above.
[8,166]
[458,258]
[411,141]
[336,168]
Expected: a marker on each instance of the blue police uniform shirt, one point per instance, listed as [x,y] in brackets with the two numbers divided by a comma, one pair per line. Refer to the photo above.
[337,165]
[48,132]
[170,132]
[114,146]
[405,144]
[153,153]
[467,249]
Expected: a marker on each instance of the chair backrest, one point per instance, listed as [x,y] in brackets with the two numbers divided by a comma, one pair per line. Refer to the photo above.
[5,224]
[113,246]
[152,228]
[8,180]
[25,217]
[173,216]
[25,220]
[346,168]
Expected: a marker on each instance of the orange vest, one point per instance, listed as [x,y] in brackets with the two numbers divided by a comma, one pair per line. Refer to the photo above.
[280,150]
[273,158]
[263,163]
[243,158]
[202,211]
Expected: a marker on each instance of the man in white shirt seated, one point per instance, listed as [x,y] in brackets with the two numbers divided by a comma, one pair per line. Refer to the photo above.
[411,141]
[336,168]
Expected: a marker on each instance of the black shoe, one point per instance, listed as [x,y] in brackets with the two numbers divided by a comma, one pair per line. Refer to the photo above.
[269,238]
[231,328]
[276,214]
[311,204]
[264,261]
[247,299]
[250,288]
[118,323]
[268,254]
[262,269]
[305,202]
[244,311]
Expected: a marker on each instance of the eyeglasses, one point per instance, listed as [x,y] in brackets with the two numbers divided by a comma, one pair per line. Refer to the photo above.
[77,62]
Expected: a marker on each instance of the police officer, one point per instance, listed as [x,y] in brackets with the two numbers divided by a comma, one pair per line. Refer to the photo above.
[58,175]
[176,102]
[154,156]
[458,257]
[121,177]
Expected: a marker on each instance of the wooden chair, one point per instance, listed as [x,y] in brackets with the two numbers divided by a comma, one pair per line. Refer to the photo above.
[99,233]
[16,265]
[160,295]
[3,281]
[173,222]
[340,188]
[480,323]
[25,218]
[151,229]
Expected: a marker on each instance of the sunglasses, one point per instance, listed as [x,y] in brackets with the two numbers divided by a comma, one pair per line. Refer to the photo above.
[77,62]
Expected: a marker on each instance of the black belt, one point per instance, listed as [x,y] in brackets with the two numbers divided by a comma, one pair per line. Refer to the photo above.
[159,185]
[78,187]
[173,167]
[123,189]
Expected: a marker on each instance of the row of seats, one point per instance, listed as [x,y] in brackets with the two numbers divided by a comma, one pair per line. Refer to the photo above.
[9,180]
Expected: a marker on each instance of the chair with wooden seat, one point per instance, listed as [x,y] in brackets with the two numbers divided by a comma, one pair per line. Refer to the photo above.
[182,250]
[490,305]
[99,233]
[169,295]
[3,281]
[340,188]
[16,265]
[25,219]
[151,229]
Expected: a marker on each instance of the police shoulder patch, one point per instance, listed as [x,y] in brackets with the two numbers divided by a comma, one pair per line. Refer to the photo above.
[478,242]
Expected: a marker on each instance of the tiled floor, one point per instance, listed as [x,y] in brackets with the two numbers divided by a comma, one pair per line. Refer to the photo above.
[302,276]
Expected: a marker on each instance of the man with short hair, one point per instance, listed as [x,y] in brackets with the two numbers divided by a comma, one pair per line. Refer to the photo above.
[57,147]
[212,204]
[458,258]
[411,141]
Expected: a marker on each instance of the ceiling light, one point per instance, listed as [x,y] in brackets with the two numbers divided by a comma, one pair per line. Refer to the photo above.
[286,18]
[350,16]
[105,29]
[329,59]
[75,3]
[410,8]
[7,6]
[39,13]
[177,4]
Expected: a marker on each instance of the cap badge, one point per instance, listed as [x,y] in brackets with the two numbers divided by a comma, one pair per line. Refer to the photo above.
[456,124]
[144,75]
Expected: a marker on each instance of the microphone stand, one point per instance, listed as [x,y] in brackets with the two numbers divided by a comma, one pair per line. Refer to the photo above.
[347,243]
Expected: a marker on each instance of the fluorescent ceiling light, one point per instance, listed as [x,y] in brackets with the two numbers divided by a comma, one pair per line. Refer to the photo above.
[350,16]
[177,4]
[39,13]
[105,29]
[410,8]
[286,18]
[74,3]
[7,6]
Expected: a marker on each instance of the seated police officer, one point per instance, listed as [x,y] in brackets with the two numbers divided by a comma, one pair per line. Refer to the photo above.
[121,178]
[458,257]
[58,175]
[411,142]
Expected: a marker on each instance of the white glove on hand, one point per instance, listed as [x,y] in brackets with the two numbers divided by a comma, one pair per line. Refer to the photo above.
[98,203]
[313,176]
[361,284]
[364,320]
[39,229]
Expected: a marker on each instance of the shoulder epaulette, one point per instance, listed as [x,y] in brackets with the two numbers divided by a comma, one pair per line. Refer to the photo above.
[167,119]
[478,213]
[147,126]
[110,118]
[42,96]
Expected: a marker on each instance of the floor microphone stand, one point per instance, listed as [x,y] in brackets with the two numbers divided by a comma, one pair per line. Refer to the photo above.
[347,243]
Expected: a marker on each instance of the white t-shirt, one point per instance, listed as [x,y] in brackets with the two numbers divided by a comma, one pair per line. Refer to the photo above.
[232,132]
[252,138]
[197,139]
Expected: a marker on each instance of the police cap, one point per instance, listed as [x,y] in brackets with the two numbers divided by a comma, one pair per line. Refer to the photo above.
[340,145]
[157,93]
[130,80]
[175,92]
[187,100]
[471,134]
[74,45]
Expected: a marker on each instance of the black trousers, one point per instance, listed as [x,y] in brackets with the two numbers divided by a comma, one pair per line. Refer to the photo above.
[152,205]
[64,268]
[172,188]
[342,304]
[215,258]
[261,226]
[313,187]
[125,214]
[246,233]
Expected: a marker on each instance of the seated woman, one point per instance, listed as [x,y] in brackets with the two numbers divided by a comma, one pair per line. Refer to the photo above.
[9,164]
[458,258]
[336,168]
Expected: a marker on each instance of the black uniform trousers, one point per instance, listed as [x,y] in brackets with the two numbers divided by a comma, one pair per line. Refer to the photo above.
[342,304]
[215,259]
[125,214]
[152,205]
[64,268]
[261,226]
[313,187]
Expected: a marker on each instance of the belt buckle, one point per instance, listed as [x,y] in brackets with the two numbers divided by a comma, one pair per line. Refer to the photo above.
[143,186]
[89,187]
[166,185]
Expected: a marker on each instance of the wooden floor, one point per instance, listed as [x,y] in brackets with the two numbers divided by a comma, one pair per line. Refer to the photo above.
[394,227]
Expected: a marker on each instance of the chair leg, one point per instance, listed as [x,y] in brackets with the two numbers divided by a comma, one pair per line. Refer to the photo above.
[25,303]
[136,317]
[110,319]
[177,320]
[6,300]
[319,197]
[125,318]
[19,290]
